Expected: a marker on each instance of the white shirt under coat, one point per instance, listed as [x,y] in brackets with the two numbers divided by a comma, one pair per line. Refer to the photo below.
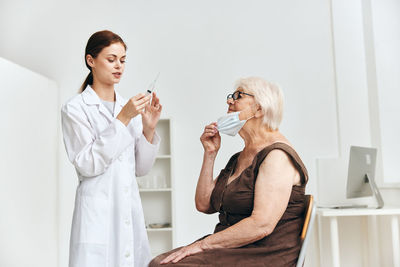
[108,228]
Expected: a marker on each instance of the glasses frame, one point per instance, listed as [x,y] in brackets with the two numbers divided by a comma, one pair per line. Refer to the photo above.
[237,95]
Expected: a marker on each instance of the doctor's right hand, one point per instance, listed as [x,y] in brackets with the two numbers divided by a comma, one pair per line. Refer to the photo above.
[133,107]
[210,139]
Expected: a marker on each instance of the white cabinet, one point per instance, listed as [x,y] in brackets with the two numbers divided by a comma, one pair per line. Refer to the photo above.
[157,194]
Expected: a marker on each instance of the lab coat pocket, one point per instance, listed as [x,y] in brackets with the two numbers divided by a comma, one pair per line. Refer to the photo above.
[94,220]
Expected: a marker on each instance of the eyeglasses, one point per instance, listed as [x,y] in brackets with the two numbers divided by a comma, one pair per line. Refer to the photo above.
[237,95]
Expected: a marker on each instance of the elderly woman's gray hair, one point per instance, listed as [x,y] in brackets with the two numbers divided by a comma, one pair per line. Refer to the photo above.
[268,95]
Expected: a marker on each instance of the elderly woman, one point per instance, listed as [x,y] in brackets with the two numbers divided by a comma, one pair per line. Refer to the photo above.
[259,194]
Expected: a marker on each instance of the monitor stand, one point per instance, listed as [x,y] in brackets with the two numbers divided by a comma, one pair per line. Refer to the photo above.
[375,190]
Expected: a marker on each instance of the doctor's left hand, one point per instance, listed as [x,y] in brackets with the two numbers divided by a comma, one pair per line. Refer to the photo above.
[150,117]
[189,250]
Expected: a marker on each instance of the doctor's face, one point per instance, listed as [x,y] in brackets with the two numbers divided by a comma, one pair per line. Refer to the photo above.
[109,65]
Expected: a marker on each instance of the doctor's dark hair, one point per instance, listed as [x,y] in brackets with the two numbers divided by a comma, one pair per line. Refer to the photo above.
[95,44]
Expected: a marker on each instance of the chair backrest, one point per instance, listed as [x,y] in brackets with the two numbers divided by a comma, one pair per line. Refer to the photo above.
[309,218]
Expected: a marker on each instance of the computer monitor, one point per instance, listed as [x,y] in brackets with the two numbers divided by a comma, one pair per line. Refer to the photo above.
[361,174]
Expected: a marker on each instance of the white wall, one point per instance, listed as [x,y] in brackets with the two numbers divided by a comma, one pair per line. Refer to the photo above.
[28,164]
[357,28]
[386,31]
[351,92]
[201,48]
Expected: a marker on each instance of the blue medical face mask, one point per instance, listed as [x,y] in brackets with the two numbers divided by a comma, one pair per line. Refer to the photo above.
[230,123]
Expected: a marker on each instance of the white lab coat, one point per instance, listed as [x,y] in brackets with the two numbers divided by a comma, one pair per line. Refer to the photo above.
[108,228]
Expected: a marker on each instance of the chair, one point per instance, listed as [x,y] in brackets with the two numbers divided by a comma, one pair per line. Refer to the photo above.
[307,228]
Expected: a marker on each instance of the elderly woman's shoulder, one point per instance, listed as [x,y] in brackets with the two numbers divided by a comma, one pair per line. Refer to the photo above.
[280,151]
[278,154]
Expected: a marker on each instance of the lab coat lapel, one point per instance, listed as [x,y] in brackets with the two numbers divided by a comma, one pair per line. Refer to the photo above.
[105,112]
[90,97]
[119,103]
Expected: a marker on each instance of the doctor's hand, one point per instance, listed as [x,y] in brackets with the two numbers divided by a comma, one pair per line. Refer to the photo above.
[150,117]
[189,250]
[133,107]
[210,139]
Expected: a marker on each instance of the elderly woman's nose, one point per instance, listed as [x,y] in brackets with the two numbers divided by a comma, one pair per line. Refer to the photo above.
[230,101]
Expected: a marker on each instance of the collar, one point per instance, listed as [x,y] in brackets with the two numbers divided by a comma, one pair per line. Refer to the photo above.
[90,97]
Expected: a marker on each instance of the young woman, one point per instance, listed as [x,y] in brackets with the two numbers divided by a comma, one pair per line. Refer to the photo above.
[110,141]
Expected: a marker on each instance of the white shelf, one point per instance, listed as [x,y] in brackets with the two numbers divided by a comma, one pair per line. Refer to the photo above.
[157,194]
[164,229]
[163,156]
[155,189]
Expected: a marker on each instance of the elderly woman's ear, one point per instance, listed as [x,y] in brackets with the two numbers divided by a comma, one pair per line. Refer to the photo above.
[259,112]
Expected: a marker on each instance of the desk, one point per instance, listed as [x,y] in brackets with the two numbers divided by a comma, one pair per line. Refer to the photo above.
[333,214]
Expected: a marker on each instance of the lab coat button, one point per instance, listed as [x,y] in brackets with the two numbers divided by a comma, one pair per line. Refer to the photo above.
[120,157]
[126,189]
[127,222]
[127,255]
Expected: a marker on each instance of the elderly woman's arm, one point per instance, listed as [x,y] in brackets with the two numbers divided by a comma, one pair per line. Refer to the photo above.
[211,142]
[205,184]
[274,183]
[272,192]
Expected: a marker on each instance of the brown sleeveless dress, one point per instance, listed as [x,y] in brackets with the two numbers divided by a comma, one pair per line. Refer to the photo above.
[234,202]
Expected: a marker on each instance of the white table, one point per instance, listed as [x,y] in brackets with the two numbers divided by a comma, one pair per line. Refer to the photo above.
[333,214]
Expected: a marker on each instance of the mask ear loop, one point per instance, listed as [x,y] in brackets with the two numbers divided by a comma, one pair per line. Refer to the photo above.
[255,105]
[248,118]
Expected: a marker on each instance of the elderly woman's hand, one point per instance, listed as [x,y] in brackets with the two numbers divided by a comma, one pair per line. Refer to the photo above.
[210,139]
[191,249]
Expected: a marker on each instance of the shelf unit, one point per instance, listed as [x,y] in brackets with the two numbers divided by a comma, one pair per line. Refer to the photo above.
[157,194]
